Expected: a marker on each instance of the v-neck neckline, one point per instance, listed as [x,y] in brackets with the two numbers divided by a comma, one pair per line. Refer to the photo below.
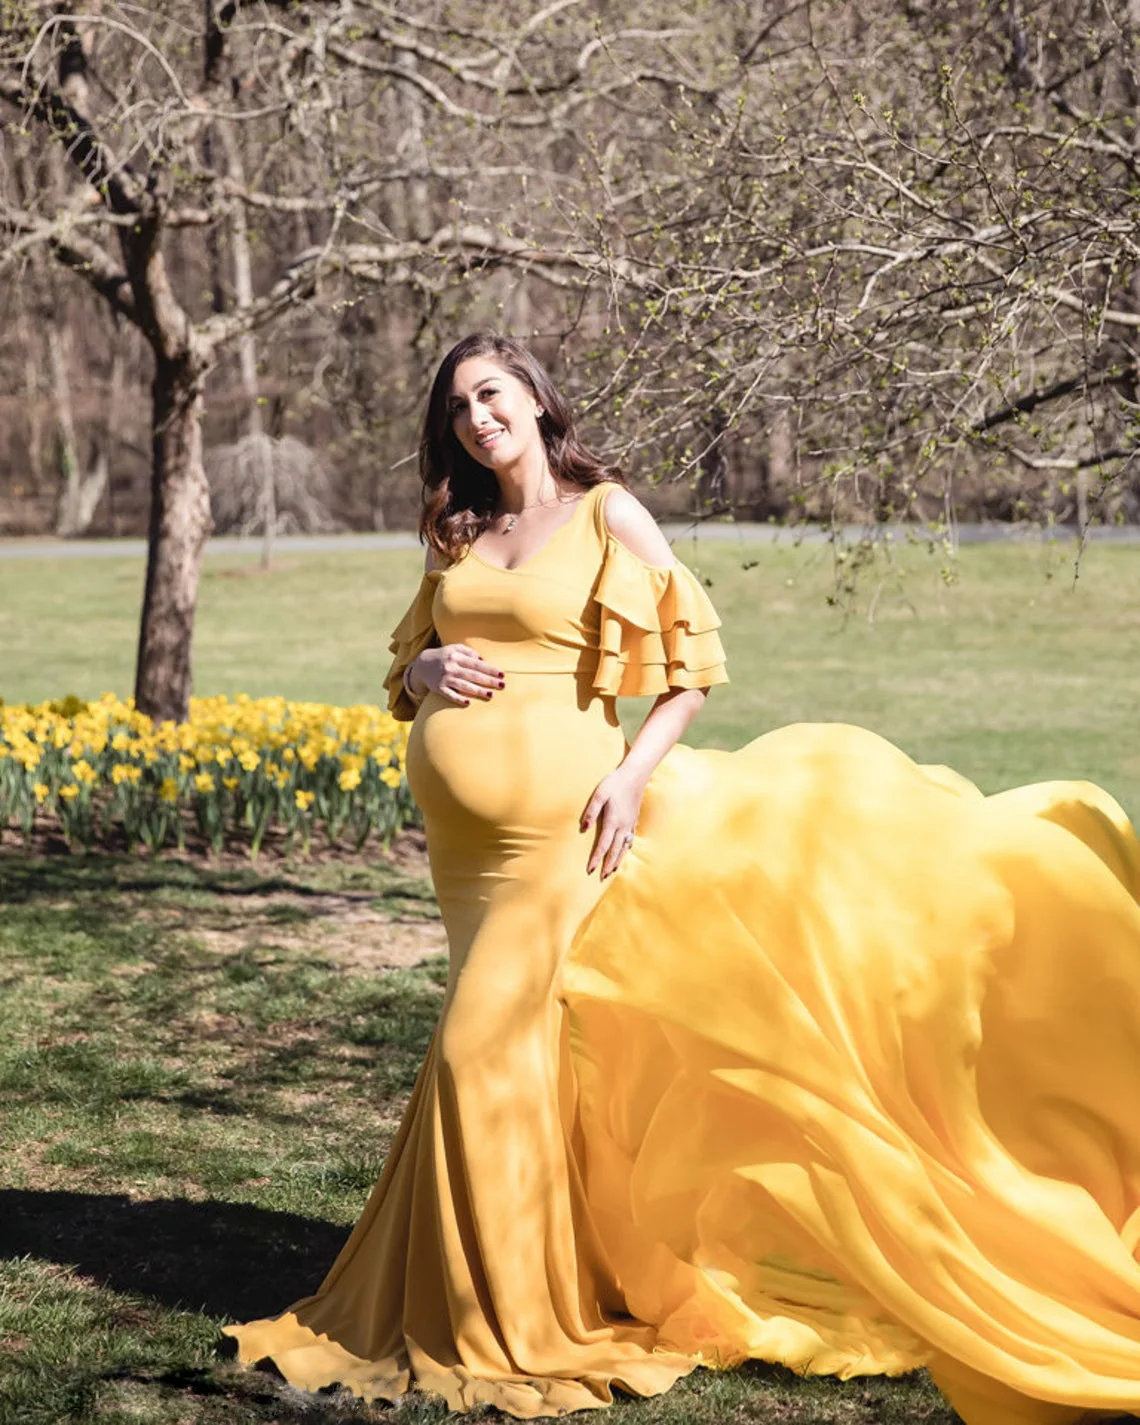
[545,545]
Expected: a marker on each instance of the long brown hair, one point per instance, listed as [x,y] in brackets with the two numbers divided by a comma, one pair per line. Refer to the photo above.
[460,495]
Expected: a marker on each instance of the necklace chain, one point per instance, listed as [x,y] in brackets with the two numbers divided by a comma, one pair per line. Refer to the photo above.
[513,517]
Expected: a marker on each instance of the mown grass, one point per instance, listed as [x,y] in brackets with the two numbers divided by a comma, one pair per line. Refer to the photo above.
[1013,672]
[200,1087]
[197,1100]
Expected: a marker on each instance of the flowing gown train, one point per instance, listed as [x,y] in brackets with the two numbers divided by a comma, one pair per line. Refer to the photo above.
[839,1071]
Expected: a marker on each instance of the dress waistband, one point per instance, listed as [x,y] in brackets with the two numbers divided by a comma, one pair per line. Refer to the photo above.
[513,657]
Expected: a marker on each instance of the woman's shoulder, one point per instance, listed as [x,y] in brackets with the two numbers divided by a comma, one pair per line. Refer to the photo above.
[625,518]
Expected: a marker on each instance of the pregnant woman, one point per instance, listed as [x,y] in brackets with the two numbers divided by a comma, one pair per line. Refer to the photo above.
[840,1069]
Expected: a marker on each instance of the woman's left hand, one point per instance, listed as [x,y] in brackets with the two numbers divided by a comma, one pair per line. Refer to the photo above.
[614,806]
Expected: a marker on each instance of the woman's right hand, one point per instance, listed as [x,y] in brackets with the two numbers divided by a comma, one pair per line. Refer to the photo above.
[456,672]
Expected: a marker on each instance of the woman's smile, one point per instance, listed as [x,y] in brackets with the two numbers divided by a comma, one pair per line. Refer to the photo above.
[492,413]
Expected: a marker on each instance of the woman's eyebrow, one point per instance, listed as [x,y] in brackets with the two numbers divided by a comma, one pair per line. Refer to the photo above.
[453,402]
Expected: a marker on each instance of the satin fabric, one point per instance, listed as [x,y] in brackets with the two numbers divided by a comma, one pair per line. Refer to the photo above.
[839,1071]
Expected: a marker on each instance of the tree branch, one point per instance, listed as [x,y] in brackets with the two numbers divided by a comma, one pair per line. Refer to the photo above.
[1033,399]
[85,258]
[120,187]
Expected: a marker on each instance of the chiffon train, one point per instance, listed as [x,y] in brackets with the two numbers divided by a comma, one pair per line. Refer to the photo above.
[839,1071]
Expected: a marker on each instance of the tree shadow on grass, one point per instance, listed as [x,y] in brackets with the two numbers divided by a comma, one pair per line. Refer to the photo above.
[25,878]
[221,1258]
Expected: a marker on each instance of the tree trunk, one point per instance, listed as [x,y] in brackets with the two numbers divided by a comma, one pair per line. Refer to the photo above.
[66,451]
[712,493]
[27,343]
[412,150]
[247,355]
[179,526]
[80,492]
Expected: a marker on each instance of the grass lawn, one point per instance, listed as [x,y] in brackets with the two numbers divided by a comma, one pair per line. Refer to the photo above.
[202,1066]
[201,1071]
[1010,674]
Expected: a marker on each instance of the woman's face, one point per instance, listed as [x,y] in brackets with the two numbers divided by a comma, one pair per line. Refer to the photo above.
[494,415]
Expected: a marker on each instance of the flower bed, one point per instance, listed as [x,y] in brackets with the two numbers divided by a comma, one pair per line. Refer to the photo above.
[237,768]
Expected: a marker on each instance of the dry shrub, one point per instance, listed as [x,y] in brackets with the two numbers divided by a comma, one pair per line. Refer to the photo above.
[259,480]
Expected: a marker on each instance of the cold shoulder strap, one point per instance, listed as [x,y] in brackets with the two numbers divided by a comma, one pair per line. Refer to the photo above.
[658,626]
[414,633]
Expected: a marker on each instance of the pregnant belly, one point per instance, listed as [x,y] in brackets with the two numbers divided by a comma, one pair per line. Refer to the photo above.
[526,761]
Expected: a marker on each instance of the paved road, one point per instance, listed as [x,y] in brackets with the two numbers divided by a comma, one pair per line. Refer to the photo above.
[681,533]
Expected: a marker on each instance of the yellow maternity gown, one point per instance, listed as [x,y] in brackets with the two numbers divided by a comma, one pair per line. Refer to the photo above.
[840,1070]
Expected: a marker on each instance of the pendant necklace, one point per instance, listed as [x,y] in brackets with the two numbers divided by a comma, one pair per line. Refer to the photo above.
[513,519]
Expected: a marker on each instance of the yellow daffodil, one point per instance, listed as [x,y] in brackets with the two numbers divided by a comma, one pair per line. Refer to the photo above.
[107,743]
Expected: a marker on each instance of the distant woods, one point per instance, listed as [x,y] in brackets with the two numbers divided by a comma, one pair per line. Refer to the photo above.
[870,260]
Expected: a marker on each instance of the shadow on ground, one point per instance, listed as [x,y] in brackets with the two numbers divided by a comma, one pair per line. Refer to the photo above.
[27,878]
[221,1258]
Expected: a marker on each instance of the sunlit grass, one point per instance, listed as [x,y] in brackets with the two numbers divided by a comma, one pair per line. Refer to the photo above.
[200,1087]
[198,1097]
[1012,672]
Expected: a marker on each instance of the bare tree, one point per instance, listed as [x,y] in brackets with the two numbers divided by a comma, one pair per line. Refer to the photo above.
[869,258]
[299,77]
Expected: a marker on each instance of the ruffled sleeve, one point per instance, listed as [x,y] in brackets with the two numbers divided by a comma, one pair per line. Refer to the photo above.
[658,628]
[410,637]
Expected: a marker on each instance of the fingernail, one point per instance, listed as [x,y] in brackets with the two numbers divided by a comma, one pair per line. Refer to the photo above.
[502,684]
[487,696]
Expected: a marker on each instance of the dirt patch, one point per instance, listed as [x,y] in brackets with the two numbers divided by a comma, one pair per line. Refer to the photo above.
[370,941]
[349,934]
[364,929]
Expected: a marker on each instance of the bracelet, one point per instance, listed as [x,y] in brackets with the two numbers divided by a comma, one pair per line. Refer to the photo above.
[415,698]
